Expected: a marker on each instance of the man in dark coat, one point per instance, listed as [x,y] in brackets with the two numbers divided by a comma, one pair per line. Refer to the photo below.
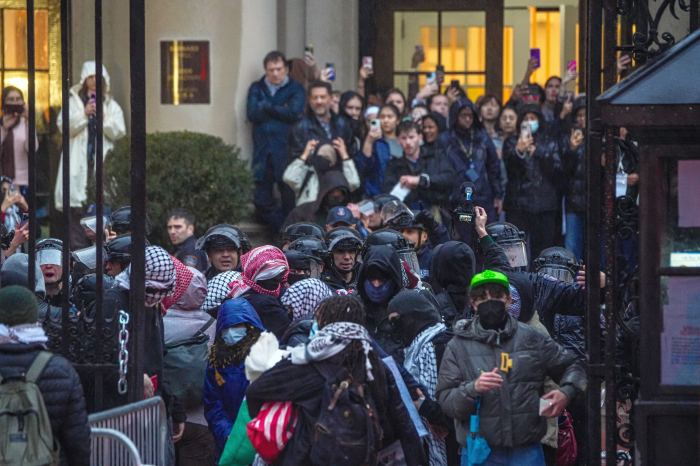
[181,227]
[275,102]
[20,343]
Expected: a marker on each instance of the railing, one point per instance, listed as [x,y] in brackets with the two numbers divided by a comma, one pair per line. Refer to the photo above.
[133,434]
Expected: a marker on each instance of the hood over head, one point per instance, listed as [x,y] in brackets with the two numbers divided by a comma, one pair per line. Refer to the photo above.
[417,311]
[15,271]
[457,107]
[530,108]
[237,311]
[452,269]
[90,69]
[383,260]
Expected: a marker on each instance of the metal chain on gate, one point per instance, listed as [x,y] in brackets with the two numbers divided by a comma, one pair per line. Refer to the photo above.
[123,352]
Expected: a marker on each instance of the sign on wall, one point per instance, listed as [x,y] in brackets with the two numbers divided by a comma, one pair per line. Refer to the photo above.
[184,72]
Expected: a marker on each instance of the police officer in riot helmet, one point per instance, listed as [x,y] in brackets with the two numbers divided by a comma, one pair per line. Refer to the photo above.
[344,246]
[559,263]
[224,245]
[393,238]
[297,230]
[117,255]
[512,240]
[305,256]
[84,262]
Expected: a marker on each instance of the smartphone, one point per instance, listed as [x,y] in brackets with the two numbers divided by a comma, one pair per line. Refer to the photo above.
[9,109]
[309,49]
[366,207]
[535,55]
[571,66]
[375,123]
[525,131]
[367,62]
[440,74]
[12,190]
[331,71]
[431,78]
[455,83]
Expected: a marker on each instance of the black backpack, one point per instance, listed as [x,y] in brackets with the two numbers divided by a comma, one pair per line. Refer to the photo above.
[347,432]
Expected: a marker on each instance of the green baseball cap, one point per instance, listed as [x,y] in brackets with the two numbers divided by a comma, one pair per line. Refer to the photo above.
[489,276]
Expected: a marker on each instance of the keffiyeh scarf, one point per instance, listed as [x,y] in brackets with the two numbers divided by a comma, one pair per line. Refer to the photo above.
[331,340]
[218,288]
[261,264]
[159,275]
[24,333]
[303,297]
[183,278]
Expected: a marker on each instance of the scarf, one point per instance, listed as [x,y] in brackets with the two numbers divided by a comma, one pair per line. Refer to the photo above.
[221,355]
[7,151]
[331,340]
[159,275]
[183,278]
[262,263]
[24,333]
[217,289]
[304,296]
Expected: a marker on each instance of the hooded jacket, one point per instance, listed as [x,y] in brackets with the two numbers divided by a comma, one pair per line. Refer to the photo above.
[483,161]
[509,416]
[272,117]
[185,317]
[224,389]
[385,259]
[315,211]
[373,168]
[533,179]
[451,271]
[113,127]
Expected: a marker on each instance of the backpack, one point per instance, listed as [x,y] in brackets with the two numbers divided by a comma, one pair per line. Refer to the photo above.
[347,432]
[185,365]
[24,419]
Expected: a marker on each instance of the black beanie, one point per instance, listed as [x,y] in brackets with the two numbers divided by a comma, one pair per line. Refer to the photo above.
[18,306]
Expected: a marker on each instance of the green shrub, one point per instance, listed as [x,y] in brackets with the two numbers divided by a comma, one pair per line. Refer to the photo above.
[195,171]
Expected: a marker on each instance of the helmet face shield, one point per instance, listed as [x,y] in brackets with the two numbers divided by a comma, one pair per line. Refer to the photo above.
[516,253]
[411,259]
[560,273]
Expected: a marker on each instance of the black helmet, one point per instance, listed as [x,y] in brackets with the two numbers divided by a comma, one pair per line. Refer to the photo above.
[84,261]
[381,199]
[512,240]
[309,245]
[393,238]
[344,239]
[302,265]
[120,221]
[84,292]
[223,235]
[397,216]
[119,250]
[297,230]
[559,263]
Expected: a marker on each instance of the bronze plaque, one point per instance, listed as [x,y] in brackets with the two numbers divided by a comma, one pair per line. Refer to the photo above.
[184,72]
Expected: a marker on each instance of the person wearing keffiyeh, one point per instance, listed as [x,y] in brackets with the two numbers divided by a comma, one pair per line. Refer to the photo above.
[262,281]
[303,297]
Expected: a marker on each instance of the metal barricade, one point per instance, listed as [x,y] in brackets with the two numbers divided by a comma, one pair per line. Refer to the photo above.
[130,435]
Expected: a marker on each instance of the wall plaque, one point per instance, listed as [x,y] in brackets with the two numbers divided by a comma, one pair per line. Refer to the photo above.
[184,72]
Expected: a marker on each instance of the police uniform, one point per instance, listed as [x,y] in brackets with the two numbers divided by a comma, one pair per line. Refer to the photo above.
[186,253]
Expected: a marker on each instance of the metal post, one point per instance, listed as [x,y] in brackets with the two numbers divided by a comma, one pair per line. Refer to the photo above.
[99,197]
[138,195]
[31,115]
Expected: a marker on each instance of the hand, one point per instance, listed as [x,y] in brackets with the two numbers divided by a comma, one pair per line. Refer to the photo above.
[567,108]
[428,90]
[581,278]
[148,388]
[623,63]
[178,431]
[498,204]
[375,133]
[339,145]
[524,143]
[9,120]
[531,67]
[355,209]
[488,381]
[309,59]
[408,181]
[109,235]
[90,108]
[308,149]
[21,237]
[421,398]
[558,401]
[576,139]
[632,179]
[571,75]
[480,221]
[452,95]
[365,73]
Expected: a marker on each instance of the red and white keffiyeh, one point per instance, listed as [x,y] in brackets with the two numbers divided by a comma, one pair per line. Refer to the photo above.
[183,278]
[261,264]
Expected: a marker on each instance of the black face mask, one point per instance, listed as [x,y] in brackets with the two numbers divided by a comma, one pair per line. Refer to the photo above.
[335,201]
[294,277]
[320,164]
[492,313]
[272,283]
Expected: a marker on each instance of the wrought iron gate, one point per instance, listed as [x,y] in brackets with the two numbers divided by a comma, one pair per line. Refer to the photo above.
[89,342]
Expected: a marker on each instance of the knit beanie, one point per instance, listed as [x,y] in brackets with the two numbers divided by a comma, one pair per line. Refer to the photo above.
[18,306]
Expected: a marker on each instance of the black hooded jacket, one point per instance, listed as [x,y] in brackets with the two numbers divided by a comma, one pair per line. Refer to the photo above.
[385,259]
[316,211]
[451,270]
[533,179]
[473,153]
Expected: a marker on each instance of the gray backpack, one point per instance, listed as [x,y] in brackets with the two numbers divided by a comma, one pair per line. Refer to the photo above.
[27,435]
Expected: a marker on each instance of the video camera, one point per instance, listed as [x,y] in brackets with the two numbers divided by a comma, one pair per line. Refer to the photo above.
[464,212]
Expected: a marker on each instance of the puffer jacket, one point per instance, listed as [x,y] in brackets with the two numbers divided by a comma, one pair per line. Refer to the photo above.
[63,397]
[533,179]
[224,388]
[509,416]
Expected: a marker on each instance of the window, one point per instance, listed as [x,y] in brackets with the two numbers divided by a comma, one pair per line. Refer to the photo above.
[545,34]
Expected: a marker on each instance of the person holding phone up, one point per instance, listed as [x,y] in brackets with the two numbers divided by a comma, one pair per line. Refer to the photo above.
[14,138]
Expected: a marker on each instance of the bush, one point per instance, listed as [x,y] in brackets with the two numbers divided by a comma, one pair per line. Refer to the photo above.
[194,171]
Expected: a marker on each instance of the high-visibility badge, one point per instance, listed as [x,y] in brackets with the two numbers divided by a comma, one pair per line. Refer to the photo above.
[506,362]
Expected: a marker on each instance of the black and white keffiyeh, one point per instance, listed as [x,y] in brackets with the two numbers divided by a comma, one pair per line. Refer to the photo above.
[303,297]
[218,289]
[159,275]
[331,340]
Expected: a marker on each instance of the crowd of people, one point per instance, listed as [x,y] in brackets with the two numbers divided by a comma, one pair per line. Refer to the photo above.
[418,307]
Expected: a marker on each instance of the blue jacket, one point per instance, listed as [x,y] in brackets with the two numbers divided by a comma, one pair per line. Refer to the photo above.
[272,117]
[222,400]
[372,169]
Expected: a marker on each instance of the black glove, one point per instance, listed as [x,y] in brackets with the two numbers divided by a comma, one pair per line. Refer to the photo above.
[431,410]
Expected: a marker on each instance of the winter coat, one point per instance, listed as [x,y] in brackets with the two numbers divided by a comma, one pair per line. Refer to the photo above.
[316,211]
[184,317]
[188,254]
[275,317]
[272,118]
[451,270]
[335,282]
[372,169]
[483,161]
[224,388]
[309,128]
[436,178]
[533,179]
[113,127]
[387,260]
[304,386]
[296,173]
[509,416]
[574,166]
[63,396]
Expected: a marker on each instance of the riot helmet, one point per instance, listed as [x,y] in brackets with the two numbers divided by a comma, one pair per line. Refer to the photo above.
[84,261]
[309,245]
[49,251]
[396,240]
[342,240]
[559,263]
[220,236]
[120,221]
[119,250]
[302,265]
[397,216]
[297,230]
[512,240]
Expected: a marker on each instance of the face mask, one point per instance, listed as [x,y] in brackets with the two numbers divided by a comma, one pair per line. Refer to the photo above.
[233,335]
[320,164]
[314,329]
[380,294]
[534,126]
[333,201]
[272,283]
[491,313]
